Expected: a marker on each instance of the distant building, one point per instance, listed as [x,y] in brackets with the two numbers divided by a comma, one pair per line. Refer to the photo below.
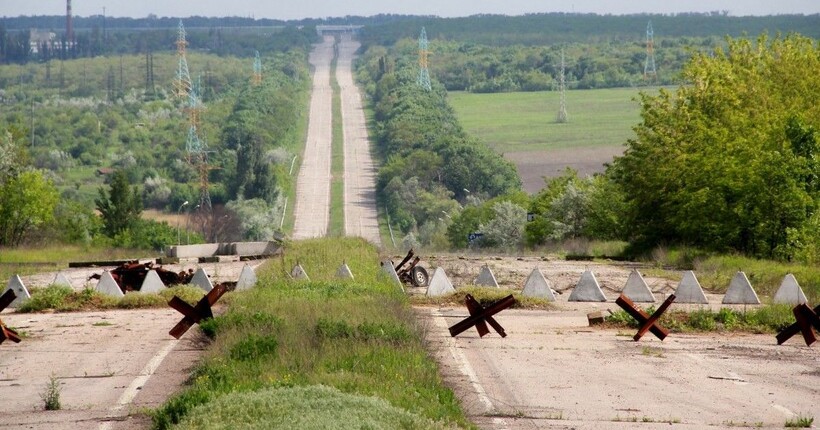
[38,38]
[338,29]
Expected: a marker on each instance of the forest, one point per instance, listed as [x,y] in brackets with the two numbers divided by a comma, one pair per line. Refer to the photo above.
[90,130]
[726,162]
[524,53]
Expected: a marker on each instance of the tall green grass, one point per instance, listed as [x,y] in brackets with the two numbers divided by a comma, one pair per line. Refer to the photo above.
[61,298]
[715,271]
[765,319]
[765,275]
[284,337]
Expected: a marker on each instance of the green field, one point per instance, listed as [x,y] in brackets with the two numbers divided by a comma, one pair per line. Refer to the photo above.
[526,121]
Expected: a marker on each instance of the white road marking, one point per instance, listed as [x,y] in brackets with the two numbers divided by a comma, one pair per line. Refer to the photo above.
[464,365]
[131,391]
[783,409]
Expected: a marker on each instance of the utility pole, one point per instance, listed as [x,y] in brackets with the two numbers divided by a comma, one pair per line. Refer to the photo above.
[562,87]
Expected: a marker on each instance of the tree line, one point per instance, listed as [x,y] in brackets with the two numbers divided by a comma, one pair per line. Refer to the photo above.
[88,124]
[429,164]
[729,162]
[16,46]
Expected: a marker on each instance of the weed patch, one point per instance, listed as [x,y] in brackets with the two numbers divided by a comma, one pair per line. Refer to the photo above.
[485,296]
[799,422]
[51,394]
[61,298]
[766,319]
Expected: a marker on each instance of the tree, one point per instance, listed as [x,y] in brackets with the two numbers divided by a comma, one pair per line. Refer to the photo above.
[728,162]
[26,201]
[506,229]
[121,206]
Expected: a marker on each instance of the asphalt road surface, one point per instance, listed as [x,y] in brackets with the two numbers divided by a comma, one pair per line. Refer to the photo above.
[359,171]
[554,371]
[312,208]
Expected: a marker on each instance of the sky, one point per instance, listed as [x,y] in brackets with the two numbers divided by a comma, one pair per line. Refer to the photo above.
[290,9]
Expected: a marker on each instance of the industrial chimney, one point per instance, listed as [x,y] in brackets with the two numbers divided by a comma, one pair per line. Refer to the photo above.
[69,24]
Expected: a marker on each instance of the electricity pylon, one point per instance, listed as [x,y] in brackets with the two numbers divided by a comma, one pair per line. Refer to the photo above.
[649,71]
[424,73]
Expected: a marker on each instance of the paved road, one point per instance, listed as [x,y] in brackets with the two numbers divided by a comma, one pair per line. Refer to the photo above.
[359,171]
[553,371]
[312,208]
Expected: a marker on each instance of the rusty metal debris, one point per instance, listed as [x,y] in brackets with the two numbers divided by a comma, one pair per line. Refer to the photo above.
[481,316]
[413,275]
[130,275]
[195,314]
[648,323]
[806,318]
[5,332]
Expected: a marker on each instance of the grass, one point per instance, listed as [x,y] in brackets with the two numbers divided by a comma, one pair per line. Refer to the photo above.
[61,298]
[325,353]
[525,121]
[303,407]
[799,421]
[714,272]
[29,260]
[765,319]
[485,296]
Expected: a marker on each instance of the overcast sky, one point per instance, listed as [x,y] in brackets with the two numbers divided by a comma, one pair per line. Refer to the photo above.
[290,9]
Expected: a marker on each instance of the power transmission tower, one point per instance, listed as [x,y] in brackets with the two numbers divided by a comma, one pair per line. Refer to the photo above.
[182,81]
[424,73]
[257,70]
[649,70]
[197,148]
[562,87]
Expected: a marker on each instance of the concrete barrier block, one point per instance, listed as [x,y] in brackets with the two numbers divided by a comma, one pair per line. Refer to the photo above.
[740,291]
[538,286]
[193,251]
[256,248]
[486,278]
[16,284]
[637,290]
[440,284]
[587,289]
[790,292]
[107,285]
[689,290]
